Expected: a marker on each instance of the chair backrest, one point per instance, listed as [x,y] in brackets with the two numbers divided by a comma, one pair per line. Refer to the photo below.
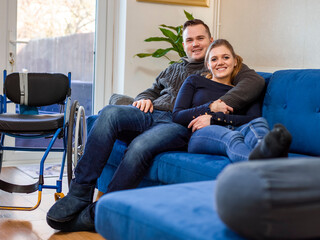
[37,89]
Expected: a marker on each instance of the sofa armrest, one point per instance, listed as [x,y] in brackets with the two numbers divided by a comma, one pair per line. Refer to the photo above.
[120,99]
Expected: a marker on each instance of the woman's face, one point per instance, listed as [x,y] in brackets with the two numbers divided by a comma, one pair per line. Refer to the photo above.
[221,63]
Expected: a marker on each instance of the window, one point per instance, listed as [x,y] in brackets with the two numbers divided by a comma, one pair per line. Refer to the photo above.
[57,36]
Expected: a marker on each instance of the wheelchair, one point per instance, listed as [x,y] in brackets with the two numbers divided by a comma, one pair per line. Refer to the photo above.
[32,92]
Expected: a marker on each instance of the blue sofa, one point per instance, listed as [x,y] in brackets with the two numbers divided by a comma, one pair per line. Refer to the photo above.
[185,209]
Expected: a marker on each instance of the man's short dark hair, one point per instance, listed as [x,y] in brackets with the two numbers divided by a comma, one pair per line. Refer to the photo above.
[194,22]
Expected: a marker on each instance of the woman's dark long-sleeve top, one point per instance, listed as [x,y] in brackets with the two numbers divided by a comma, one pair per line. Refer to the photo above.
[195,96]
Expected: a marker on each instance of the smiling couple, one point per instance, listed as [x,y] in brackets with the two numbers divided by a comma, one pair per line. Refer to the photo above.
[224,105]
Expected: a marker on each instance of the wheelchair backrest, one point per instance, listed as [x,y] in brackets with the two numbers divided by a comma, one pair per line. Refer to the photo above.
[37,89]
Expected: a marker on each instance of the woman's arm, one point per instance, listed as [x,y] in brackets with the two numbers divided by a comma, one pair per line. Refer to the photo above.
[183,111]
[222,119]
[253,112]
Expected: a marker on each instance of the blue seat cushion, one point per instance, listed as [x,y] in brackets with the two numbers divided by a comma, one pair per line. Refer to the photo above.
[180,167]
[179,211]
[168,167]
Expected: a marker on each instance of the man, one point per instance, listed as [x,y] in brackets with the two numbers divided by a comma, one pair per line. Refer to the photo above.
[149,124]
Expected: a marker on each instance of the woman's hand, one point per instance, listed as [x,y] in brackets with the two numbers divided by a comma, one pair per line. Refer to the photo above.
[144,105]
[200,122]
[220,106]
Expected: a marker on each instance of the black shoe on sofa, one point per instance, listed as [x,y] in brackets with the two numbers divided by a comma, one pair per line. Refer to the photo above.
[275,144]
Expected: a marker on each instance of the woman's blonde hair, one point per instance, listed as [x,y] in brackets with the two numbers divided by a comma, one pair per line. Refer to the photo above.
[223,42]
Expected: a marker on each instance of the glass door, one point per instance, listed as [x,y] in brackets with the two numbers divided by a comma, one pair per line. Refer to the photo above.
[57,36]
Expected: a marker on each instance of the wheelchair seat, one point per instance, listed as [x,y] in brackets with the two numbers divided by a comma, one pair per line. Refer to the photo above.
[19,123]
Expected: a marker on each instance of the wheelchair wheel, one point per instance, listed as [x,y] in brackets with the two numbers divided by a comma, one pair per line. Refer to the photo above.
[77,134]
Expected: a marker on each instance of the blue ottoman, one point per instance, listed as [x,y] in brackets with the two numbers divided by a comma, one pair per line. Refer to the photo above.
[179,211]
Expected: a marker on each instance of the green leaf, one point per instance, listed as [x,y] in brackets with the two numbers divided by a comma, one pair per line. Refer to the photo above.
[169,34]
[143,55]
[179,46]
[177,29]
[166,26]
[172,62]
[157,39]
[189,16]
[161,52]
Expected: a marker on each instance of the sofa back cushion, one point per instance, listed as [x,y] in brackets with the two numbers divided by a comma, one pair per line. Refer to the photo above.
[266,75]
[293,99]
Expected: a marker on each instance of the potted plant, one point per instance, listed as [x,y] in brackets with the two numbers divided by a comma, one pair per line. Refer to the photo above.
[172,35]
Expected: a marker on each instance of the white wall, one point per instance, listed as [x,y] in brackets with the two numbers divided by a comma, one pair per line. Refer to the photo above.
[3,38]
[142,21]
[273,34]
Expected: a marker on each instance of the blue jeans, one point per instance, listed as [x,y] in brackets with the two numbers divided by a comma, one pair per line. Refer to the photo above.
[234,142]
[147,135]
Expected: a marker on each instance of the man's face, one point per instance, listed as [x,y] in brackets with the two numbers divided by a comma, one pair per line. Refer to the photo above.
[195,42]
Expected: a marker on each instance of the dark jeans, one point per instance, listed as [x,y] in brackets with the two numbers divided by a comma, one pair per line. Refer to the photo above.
[278,199]
[147,134]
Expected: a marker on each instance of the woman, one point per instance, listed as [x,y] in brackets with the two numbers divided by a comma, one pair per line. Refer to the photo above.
[221,133]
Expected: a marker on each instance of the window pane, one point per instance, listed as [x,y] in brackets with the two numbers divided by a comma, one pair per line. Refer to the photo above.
[58,36]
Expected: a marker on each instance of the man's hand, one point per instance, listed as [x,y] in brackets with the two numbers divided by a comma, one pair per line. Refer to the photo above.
[144,105]
[220,106]
[200,122]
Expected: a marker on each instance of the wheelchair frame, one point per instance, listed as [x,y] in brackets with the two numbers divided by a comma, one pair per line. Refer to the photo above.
[71,147]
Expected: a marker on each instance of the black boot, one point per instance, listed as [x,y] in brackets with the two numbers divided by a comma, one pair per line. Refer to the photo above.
[275,144]
[83,221]
[77,199]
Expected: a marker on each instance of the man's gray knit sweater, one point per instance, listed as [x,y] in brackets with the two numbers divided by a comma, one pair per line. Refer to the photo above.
[248,86]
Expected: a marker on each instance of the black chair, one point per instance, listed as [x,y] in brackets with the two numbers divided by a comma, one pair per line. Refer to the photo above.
[33,92]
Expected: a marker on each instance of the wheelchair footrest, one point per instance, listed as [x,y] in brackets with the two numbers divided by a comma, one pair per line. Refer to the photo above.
[15,188]
[23,208]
